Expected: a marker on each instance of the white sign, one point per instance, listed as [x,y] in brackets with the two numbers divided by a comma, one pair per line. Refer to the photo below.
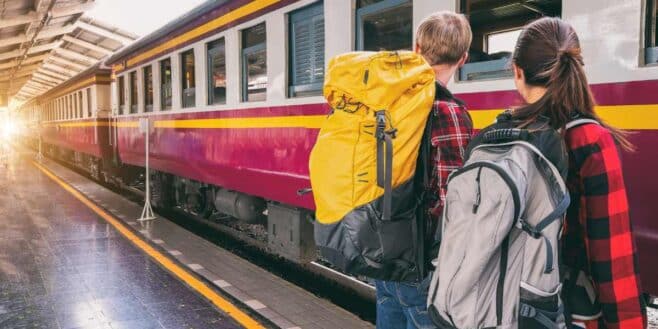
[144,125]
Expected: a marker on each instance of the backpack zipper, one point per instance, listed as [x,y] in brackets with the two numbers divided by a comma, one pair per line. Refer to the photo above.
[478,196]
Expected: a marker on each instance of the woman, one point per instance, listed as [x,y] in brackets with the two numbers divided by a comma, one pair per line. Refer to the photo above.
[598,247]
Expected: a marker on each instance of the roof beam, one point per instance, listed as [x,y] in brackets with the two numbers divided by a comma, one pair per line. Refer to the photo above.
[72,54]
[18,74]
[104,33]
[72,9]
[47,77]
[23,69]
[19,20]
[44,82]
[87,45]
[67,62]
[33,50]
[49,33]
[27,94]
[28,60]
[35,87]
[53,72]
[57,68]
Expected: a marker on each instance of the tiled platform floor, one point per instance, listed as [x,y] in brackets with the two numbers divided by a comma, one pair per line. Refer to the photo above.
[61,266]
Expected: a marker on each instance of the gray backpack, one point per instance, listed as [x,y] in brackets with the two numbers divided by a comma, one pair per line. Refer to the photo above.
[497,266]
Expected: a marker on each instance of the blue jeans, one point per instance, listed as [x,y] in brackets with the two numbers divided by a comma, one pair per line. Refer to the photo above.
[403,305]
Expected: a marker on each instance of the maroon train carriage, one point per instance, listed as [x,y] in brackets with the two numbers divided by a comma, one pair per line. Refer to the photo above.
[75,121]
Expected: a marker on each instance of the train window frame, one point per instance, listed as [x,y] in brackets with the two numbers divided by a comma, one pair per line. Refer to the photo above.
[498,66]
[189,100]
[147,82]
[313,12]
[650,44]
[213,48]
[69,107]
[121,86]
[89,111]
[245,52]
[164,86]
[375,8]
[80,106]
[133,87]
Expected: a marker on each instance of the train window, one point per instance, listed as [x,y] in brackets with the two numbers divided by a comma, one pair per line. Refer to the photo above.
[384,25]
[89,102]
[187,73]
[651,37]
[165,84]
[254,64]
[306,50]
[69,107]
[133,92]
[148,88]
[80,108]
[216,72]
[496,25]
[122,95]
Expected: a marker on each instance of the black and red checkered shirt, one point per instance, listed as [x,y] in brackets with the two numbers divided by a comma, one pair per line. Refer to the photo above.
[452,129]
[599,225]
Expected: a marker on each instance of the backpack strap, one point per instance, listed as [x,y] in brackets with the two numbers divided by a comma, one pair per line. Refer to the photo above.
[536,231]
[580,122]
[385,162]
[545,318]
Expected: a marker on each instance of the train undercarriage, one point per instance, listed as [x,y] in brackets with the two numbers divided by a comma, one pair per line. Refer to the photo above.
[282,230]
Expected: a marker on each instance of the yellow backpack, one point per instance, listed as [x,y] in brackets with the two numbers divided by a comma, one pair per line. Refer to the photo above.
[363,166]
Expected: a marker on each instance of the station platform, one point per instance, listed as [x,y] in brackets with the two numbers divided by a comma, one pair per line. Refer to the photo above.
[72,255]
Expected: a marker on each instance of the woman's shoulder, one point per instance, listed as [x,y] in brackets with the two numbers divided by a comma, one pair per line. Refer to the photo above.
[587,135]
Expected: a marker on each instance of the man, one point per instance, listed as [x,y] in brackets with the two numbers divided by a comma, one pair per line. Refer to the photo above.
[443,39]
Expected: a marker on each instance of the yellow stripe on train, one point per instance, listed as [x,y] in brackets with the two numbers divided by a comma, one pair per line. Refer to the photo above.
[631,117]
[216,23]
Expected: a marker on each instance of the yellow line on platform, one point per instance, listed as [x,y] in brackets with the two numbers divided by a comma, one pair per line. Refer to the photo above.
[165,261]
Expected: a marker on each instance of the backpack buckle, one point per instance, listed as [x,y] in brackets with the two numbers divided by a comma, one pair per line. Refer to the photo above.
[380,117]
[527,311]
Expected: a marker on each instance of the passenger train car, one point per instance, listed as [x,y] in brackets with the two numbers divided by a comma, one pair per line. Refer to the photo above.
[233,91]
[74,120]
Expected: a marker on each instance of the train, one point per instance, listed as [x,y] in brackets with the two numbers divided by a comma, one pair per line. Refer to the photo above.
[233,92]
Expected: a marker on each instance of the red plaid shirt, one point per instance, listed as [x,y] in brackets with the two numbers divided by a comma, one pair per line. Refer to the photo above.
[452,129]
[598,220]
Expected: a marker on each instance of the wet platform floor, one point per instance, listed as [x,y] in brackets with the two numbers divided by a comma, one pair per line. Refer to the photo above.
[62,266]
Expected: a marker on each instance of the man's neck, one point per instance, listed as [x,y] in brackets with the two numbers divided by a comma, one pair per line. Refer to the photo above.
[443,73]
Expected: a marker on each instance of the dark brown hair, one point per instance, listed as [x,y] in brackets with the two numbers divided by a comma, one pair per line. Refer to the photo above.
[548,51]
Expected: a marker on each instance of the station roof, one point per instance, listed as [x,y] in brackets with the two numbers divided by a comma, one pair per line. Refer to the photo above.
[46,42]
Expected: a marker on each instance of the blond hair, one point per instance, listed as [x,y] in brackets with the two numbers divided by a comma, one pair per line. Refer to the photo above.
[444,37]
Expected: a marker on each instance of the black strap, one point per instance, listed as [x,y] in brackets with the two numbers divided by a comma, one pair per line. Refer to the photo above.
[384,162]
[388,182]
[500,287]
[545,318]
[536,231]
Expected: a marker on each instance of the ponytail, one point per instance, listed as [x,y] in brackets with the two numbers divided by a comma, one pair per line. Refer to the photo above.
[548,51]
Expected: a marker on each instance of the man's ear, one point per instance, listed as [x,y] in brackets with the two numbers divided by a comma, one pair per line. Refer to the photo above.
[463,60]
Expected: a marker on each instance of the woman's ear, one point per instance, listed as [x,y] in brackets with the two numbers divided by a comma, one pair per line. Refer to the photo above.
[518,73]
[417,49]
[519,80]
